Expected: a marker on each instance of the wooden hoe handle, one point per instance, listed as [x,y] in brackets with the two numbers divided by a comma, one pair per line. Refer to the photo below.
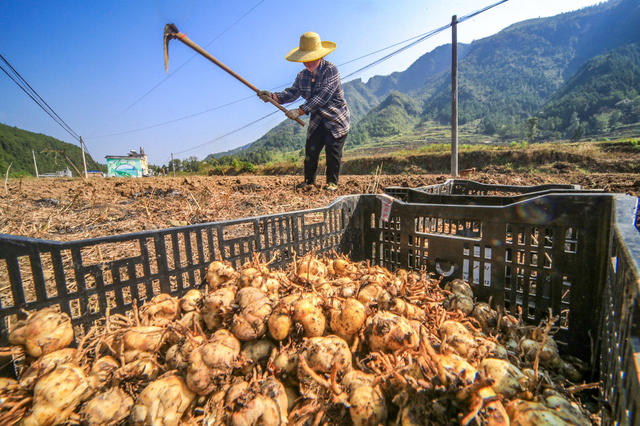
[171,32]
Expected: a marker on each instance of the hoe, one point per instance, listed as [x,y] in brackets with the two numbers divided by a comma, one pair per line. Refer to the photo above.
[171,31]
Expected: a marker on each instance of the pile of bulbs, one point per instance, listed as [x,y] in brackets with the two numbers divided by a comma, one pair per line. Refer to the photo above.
[328,341]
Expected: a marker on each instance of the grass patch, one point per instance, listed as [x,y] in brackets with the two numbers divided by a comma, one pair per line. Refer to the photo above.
[622,145]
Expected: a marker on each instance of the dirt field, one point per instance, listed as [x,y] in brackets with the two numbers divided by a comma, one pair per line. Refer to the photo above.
[72,209]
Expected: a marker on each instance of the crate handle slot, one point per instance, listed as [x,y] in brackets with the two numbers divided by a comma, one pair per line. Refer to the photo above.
[441,265]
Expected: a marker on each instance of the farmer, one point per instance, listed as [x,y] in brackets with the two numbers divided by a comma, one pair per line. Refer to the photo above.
[319,84]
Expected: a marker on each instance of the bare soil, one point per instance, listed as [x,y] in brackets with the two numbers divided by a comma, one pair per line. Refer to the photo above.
[73,209]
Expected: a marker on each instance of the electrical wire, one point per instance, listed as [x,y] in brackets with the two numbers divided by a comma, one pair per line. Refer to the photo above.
[478,12]
[40,99]
[126,132]
[24,85]
[35,96]
[402,49]
[274,122]
[139,129]
[227,134]
[420,38]
[383,49]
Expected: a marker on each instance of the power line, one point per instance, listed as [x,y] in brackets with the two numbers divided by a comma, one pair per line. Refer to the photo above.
[178,68]
[20,81]
[420,38]
[227,134]
[144,95]
[139,129]
[383,49]
[28,94]
[174,120]
[35,96]
[293,105]
[395,52]
[478,12]
[40,100]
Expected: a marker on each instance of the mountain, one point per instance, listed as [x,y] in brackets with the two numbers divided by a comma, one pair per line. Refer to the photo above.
[509,76]
[504,80]
[396,114]
[16,146]
[421,72]
[603,93]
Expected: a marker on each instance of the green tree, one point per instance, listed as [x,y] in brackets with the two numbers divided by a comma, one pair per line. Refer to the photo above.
[532,128]
[488,125]
[574,124]
[175,164]
[614,119]
[600,123]
[190,164]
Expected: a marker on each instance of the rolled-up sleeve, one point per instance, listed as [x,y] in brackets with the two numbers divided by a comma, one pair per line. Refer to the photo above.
[329,85]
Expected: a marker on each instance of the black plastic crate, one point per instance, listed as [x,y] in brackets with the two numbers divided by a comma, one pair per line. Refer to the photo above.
[574,253]
[468,192]
[84,277]
[470,187]
[619,332]
[415,195]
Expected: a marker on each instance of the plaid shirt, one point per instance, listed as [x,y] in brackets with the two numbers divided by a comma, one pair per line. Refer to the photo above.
[325,98]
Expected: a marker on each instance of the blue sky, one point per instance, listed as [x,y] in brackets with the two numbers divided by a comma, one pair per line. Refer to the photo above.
[92,61]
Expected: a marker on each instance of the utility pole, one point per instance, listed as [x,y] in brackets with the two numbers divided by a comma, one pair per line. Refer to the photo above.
[35,165]
[173,165]
[84,161]
[454,96]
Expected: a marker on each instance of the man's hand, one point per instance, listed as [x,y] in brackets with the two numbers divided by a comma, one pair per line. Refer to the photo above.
[265,95]
[294,113]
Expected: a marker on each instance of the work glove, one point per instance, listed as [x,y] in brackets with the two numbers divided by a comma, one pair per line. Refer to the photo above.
[265,95]
[293,113]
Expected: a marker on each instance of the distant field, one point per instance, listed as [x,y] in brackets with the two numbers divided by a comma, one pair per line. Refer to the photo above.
[419,157]
[432,137]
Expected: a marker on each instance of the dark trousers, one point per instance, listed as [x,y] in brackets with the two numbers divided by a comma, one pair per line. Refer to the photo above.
[322,138]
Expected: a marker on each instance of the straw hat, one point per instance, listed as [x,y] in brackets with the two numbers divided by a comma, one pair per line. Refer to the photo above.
[311,48]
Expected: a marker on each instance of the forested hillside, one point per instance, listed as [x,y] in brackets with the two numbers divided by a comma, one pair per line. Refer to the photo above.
[604,93]
[523,82]
[15,149]
[398,113]
[507,78]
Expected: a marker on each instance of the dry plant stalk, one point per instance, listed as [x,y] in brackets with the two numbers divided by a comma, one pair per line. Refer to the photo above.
[545,335]
[372,187]
[199,209]
[6,178]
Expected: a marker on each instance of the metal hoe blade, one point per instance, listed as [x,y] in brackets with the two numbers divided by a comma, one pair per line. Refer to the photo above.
[170,31]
